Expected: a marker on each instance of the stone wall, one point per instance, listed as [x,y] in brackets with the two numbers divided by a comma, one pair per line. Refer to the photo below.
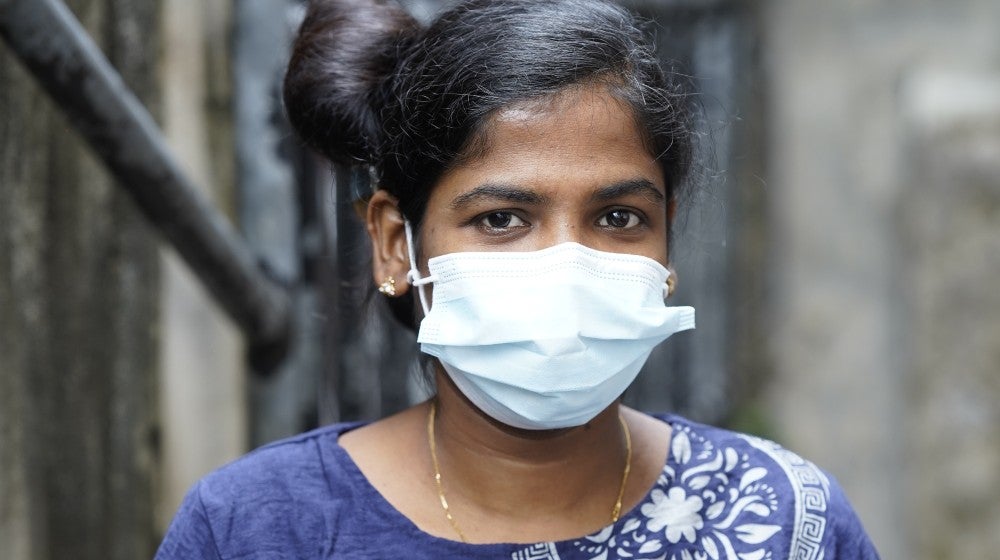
[884,182]
[949,230]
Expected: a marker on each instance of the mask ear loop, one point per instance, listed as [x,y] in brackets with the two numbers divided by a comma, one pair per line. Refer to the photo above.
[413,275]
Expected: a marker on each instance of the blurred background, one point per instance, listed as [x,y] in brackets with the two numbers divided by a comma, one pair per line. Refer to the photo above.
[841,247]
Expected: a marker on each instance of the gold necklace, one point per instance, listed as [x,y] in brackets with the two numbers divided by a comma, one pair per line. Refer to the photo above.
[615,511]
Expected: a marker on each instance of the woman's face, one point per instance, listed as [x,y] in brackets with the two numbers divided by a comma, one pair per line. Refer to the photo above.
[572,168]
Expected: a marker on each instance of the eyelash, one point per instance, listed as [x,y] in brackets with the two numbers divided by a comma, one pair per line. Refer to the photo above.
[640,219]
[481,220]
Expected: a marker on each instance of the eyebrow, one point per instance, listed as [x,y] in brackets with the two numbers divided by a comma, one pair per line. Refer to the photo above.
[496,191]
[629,187]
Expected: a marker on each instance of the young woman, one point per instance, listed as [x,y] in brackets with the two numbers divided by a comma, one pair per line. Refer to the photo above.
[528,155]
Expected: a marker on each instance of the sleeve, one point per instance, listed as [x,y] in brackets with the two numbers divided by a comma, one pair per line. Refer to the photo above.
[190,534]
[858,546]
[849,541]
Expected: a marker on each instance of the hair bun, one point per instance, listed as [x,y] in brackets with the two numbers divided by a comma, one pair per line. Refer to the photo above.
[344,52]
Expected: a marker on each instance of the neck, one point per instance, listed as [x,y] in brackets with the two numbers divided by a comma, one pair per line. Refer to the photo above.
[493,473]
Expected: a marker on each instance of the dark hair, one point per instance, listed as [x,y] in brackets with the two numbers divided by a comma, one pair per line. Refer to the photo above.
[368,85]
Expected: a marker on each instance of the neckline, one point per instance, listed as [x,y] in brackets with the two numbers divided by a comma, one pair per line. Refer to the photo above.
[381,509]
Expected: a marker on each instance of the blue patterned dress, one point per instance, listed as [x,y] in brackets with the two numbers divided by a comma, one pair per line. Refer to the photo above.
[721,495]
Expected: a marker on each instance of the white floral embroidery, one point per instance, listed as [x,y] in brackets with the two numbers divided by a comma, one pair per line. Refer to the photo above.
[709,503]
[675,510]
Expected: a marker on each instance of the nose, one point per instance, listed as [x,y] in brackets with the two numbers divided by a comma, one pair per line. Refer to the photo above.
[562,229]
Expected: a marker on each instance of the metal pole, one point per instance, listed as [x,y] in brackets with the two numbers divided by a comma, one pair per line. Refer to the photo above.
[52,44]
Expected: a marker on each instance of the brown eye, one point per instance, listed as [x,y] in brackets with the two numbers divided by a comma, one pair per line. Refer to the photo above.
[500,220]
[619,219]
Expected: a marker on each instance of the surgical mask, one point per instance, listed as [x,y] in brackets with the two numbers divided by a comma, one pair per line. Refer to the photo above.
[544,339]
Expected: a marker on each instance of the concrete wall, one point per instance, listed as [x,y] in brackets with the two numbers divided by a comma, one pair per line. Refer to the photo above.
[202,395]
[884,190]
[79,282]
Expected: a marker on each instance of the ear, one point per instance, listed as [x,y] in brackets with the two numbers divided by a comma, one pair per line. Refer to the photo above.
[386,228]
[671,280]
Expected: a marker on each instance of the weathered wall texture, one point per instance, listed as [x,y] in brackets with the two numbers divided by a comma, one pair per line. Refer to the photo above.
[884,191]
[950,236]
[79,282]
[202,390]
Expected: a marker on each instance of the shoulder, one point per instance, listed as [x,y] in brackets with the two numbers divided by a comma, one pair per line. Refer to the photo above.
[289,491]
[277,469]
[768,491]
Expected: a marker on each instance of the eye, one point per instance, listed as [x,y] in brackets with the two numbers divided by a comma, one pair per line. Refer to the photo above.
[620,219]
[501,220]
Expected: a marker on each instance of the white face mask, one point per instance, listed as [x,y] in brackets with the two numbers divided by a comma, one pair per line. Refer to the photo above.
[544,339]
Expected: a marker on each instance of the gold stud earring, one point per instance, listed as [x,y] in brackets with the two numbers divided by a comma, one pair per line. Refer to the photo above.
[388,287]
[671,283]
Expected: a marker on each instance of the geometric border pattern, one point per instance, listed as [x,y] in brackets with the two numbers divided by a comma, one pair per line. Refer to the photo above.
[812,492]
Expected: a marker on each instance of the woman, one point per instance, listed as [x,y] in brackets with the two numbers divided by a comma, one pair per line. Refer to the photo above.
[528,155]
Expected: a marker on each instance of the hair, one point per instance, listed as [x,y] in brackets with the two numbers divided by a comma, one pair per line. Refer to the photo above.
[368,85]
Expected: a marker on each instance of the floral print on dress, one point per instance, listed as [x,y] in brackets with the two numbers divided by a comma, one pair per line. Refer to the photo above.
[708,503]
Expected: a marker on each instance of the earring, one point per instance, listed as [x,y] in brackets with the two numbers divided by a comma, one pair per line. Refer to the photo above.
[388,287]
[671,283]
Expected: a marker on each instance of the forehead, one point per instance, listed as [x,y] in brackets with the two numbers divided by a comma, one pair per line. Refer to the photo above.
[578,140]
